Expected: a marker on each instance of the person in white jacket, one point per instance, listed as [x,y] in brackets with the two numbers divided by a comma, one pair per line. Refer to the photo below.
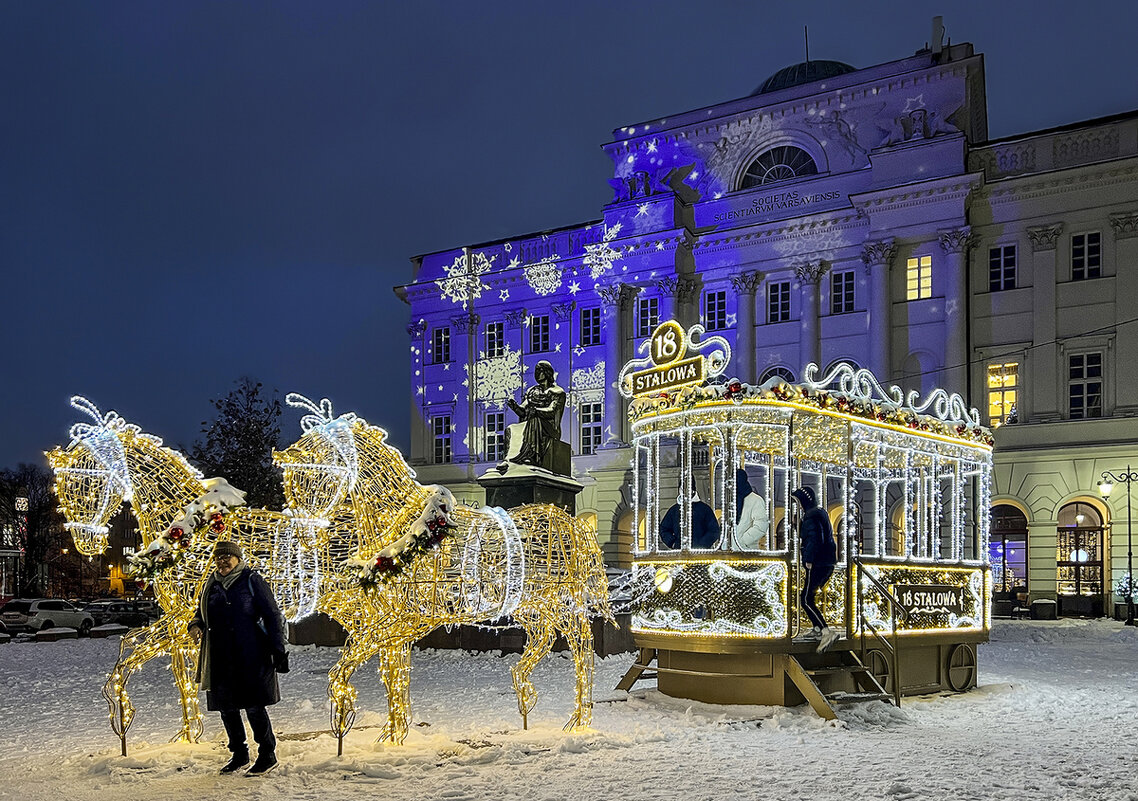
[752,522]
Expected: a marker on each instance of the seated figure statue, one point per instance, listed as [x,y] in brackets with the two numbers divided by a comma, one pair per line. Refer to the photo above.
[539,411]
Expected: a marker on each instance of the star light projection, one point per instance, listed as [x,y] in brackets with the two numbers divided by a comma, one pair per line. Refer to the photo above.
[418,560]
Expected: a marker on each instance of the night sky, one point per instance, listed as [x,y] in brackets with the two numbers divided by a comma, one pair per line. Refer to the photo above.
[193,192]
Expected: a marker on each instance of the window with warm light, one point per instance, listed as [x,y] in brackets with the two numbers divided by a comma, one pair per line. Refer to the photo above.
[1003,391]
[919,278]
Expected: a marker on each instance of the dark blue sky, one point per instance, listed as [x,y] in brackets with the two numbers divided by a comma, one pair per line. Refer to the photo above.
[191,192]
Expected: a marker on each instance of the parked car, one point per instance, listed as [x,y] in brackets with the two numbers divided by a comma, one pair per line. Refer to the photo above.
[125,613]
[36,614]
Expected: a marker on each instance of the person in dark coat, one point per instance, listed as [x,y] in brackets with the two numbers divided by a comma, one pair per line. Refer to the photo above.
[704,525]
[241,632]
[819,554]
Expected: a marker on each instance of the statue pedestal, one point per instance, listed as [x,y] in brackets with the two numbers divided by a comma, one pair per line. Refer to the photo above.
[522,484]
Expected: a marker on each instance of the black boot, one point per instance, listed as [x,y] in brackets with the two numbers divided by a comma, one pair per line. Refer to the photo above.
[239,760]
[264,763]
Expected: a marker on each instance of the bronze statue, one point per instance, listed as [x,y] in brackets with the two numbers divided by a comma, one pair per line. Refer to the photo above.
[540,412]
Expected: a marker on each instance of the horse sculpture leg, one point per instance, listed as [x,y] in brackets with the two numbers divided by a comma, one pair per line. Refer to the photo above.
[395,670]
[136,649]
[340,690]
[579,633]
[539,642]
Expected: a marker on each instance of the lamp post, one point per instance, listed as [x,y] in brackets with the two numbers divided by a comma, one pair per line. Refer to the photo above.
[1109,479]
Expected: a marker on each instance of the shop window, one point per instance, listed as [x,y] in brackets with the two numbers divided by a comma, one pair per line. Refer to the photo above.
[1003,387]
[1079,553]
[1007,551]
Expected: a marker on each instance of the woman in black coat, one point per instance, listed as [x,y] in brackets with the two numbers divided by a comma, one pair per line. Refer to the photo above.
[241,632]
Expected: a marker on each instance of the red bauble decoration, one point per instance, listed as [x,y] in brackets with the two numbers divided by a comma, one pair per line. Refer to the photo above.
[176,533]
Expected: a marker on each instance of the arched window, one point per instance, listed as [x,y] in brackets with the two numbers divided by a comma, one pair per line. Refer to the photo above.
[1007,550]
[781,372]
[854,365]
[780,163]
[1079,559]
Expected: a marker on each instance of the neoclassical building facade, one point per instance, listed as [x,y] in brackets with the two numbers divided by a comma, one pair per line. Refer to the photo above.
[835,214]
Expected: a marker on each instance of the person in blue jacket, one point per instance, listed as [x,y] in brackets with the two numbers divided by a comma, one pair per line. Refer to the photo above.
[239,626]
[704,525]
[819,554]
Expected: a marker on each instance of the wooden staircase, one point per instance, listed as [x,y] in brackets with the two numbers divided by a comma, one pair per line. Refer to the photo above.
[837,676]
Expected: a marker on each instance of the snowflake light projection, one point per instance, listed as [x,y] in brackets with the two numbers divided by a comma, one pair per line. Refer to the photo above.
[599,257]
[544,277]
[588,384]
[463,283]
[498,378]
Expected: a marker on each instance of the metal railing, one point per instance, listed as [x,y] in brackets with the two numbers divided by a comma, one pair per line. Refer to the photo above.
[898,613]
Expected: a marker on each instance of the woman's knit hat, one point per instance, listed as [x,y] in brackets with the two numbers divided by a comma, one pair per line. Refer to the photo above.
[227,548]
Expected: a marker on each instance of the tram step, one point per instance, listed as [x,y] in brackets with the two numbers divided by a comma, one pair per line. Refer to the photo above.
[833,670]
[858,698]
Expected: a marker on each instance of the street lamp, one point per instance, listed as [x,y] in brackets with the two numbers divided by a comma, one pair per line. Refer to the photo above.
[1109,479]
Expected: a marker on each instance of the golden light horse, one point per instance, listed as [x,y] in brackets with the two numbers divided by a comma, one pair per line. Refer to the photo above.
[109,461]
[417,560]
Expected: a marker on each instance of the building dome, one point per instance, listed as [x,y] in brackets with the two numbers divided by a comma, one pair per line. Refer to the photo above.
[798,74]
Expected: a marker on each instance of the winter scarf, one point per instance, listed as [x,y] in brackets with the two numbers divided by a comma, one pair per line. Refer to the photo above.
[203,604]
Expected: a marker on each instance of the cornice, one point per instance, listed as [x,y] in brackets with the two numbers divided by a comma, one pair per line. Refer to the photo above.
[909,195]
[1026,187]
[780,231]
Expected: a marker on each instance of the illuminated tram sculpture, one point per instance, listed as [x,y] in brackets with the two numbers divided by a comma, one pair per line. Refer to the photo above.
[905,481]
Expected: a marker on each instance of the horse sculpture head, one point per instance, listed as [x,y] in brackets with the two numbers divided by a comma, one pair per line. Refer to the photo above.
[91,475]
[322,467]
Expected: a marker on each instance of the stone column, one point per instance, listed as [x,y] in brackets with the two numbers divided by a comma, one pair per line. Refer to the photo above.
[1125,227]
[956,243]
[745,286]
[616,300]
[809,273]
[1043,395]
[669,287]
[468,324]
[878,258]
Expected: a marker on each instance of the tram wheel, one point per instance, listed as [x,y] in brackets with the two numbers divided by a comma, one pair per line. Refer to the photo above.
[878,664]
[961,671]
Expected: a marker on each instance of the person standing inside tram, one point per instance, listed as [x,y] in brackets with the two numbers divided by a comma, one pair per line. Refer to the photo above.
[752,522]
[819,555]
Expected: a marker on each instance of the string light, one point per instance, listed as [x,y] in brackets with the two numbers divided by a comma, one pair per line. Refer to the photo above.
[111,461]
[535,567]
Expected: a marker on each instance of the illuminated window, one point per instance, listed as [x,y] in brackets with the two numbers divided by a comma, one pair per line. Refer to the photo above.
[647,316]
[778,164]
[440,345]
[919,278]
[1086,256]
[441,430]
[1079,551]
[842,292]
[591,414]
[495,436]
[1084,385]
[1003,386]
[495,340]
[1001,268]
[778,302]
[539,333]
[590,327]
[715,310]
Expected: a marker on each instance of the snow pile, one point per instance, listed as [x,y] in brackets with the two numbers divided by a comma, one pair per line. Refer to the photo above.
[1057,699]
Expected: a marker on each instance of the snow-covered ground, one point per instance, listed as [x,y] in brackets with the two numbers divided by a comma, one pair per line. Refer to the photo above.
[1056,717]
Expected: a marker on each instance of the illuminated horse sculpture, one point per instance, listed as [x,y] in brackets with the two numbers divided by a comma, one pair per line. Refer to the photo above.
[418,561]
[109,461]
